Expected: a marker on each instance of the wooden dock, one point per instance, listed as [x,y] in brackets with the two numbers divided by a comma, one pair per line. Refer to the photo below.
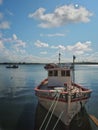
[94,119]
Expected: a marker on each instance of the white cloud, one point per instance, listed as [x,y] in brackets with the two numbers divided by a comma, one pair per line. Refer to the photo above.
[54,35]
[38,43]
[0,35]
[10,13]
[4,25]
[1,16]
[93,57]
[43,52]
[14,37]
[36,59]
[15,50]
[79,47]
[54,47]
[1,1]
[61,16]
[18,44]
[14,41]
[1,45]
[38,14]
[60,47]
[11,56]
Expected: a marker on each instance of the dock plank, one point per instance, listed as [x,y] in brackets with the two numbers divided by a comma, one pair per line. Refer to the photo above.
[94,119]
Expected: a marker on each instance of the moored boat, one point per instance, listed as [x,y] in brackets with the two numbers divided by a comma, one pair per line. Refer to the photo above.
[60,94]
[12,66]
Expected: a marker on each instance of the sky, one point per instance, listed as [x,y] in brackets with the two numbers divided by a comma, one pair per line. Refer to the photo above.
[36,31]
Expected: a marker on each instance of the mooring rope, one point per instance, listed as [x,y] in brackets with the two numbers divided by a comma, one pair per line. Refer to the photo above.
[52,111]
[58,120]
[48,112]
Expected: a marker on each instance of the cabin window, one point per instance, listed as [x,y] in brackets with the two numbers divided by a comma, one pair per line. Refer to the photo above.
[55,73]
[63,73]
[68,73]
[50,73]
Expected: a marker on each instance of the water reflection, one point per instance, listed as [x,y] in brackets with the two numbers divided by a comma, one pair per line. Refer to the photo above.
[17,113]
[80,121]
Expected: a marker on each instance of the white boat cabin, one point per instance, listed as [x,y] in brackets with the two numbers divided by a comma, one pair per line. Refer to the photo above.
[59,76]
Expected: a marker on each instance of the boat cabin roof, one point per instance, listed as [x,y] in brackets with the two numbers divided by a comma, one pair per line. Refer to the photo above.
[59,68]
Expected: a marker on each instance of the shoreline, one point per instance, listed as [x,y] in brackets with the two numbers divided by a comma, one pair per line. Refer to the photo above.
[20,63]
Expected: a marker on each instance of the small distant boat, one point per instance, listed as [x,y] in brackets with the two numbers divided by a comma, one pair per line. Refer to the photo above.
[59,93]
[12,66]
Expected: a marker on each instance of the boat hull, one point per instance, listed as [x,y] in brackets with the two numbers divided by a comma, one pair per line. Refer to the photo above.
[61,107]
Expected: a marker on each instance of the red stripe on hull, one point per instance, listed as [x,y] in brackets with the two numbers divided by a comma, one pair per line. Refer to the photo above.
[75,100]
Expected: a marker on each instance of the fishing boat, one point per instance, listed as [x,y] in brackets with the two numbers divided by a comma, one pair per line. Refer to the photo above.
[12,66]
[59,93]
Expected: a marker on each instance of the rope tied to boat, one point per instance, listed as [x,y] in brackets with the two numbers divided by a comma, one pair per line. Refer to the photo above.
[58,120]
[54,103]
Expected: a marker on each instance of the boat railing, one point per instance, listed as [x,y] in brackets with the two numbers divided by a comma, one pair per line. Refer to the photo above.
[79,86]
[82,94]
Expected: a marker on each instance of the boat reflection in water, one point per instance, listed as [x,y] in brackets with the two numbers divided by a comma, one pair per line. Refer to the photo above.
[80,122]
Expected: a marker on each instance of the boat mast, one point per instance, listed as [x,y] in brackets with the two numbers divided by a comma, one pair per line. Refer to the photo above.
[59,58]
[73,68]
[69,94]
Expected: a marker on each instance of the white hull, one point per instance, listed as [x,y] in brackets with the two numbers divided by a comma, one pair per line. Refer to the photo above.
[65,96]
[62,107]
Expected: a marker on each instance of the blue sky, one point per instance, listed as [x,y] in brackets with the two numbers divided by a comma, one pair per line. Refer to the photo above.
[37,30]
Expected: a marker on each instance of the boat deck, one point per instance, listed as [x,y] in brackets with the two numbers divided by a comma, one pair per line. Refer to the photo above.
[77,92]
[44,86]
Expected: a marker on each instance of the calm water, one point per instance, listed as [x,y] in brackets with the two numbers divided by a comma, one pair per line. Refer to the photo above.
[19,108]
